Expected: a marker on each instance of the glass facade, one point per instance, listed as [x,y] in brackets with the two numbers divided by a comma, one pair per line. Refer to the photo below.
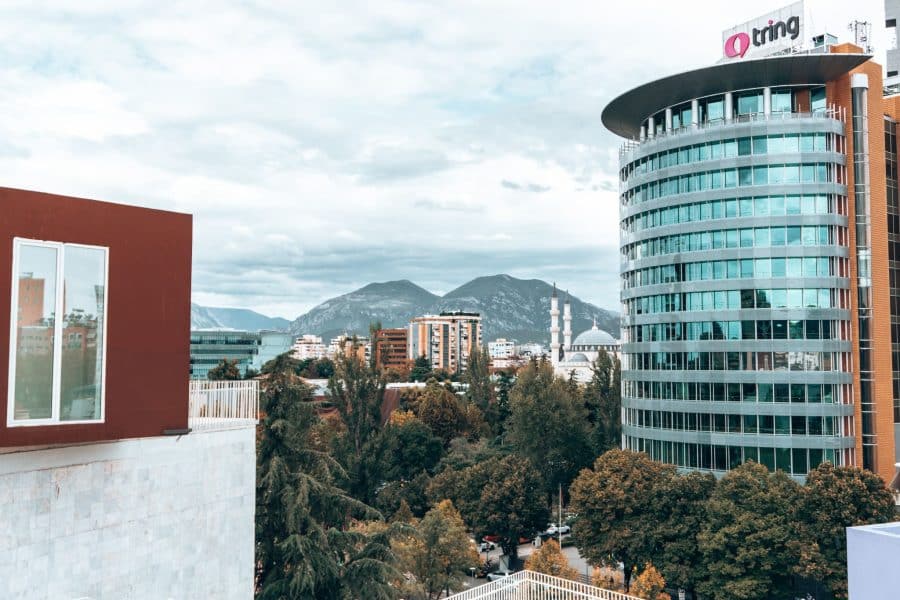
[735,289]
[209,348]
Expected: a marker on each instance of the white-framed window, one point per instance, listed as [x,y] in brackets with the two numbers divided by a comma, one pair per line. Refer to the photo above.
[57,366]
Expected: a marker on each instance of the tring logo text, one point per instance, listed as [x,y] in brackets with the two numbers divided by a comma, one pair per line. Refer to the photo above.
[738,44]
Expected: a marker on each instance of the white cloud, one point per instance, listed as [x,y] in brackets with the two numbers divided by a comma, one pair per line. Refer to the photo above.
[321,146]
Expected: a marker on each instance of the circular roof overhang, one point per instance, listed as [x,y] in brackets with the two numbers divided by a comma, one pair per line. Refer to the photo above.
[625,114]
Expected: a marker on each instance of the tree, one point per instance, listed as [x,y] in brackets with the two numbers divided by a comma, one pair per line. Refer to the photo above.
[621,505]
[440,552]
[548,425]
[357,391]
[498,411]
[604,403]
[480,390]
[304,548]
[679,557]
[409,449]
[421,369]
[649,585]
[750,540]
[439,408]
[226,370]
[502,496]
[550,560]
[833,499]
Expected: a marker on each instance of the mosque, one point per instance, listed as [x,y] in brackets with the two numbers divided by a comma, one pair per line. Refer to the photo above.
[576,357]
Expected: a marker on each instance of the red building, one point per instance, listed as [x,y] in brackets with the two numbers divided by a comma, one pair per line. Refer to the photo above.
[111,271]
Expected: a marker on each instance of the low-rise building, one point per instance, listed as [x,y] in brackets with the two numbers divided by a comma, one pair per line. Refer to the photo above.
[249,349]
[309,347]
[502,348]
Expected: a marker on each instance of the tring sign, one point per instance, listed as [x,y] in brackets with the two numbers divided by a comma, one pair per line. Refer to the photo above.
[778,32]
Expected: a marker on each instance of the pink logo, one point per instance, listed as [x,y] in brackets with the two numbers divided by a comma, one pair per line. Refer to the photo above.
[737,45]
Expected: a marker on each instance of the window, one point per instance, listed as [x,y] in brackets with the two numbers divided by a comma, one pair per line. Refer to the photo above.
[58,364]
[817,99]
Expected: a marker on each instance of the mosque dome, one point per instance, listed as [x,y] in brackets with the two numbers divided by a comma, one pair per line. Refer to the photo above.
[594,337]
[577,357]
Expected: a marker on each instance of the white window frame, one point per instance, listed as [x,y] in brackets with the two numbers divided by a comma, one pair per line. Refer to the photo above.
[57,335]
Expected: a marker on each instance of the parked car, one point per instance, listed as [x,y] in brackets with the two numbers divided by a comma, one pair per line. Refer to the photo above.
[486,546]
[499,575]
[491,538]
[556,530]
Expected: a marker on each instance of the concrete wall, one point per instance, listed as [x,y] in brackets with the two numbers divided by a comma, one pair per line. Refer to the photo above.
[158,518]
[872,553]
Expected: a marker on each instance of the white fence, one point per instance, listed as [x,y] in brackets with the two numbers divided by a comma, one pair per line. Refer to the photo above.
[223,404]
[528,585]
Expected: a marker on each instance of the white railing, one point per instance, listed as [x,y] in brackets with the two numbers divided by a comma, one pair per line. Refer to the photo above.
[528,585]
[223,404]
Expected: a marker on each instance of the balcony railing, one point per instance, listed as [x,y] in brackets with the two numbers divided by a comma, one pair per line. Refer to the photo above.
[628,148]
[217,405]
[528,585]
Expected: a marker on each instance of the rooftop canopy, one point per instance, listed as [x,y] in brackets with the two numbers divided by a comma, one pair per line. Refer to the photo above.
[625,114]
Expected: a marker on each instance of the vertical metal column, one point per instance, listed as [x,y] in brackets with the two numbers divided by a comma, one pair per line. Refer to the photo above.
[859,84]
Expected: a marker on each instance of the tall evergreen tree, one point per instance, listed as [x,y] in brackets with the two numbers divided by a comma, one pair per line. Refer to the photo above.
[304,549]
[421,369]
[602,398]
[477,377]
[358,392]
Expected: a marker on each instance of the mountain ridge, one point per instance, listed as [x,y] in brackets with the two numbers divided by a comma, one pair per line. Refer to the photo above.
[511,308]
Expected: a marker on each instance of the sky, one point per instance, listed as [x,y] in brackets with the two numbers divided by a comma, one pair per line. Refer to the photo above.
[321,146]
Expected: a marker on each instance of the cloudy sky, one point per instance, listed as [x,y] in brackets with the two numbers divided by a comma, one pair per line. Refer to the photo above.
[324,145]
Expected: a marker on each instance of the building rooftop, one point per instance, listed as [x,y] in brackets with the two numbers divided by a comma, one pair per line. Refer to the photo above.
[625,114]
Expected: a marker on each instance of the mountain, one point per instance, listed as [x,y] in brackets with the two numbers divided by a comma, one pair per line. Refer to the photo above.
[208,317]
[520,308]
[511,308]
[393,303]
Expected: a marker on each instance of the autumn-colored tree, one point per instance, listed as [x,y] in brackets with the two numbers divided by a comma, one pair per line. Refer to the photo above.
[749,540]
[440,552]
[621,504]
[548,425]
[226,370]
[550,560]
[440,409]
[833,499]
[649,585]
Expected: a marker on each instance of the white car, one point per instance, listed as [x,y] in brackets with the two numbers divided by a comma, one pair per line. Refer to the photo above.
[486,546]
[554,530]
[498,575]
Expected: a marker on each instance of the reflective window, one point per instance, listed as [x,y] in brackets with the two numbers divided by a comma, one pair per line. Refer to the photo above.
[58,347]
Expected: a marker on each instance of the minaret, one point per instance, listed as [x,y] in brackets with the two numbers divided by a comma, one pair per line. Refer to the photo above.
[554,328]
[567,324]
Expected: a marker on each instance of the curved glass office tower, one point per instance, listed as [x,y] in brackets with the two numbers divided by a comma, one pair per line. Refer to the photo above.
[746,266]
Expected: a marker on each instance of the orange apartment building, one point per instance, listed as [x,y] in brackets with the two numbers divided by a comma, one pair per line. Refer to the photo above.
[446,339]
